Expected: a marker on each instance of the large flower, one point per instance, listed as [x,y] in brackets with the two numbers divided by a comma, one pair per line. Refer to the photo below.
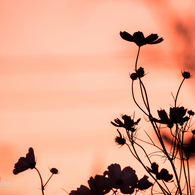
[123,180]
[176,115]
[97,185]
[25,163]
[139,39]
[128,123]
[83,190]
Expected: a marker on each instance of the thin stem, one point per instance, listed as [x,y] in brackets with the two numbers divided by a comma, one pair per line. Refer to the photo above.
[137,59]
[136,101]
[48,180]
[189,183]
[42,186]
[178,92]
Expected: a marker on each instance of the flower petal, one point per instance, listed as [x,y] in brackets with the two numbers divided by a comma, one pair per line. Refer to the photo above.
[126,36]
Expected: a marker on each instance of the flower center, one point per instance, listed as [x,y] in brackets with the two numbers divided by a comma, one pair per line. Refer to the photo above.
[119,182]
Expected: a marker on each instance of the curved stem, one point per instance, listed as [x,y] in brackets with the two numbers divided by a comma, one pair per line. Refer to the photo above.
[178,91]
[42,186]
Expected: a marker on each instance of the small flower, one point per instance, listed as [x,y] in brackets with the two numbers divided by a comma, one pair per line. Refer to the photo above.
[25,163]
[119,139]
[139,39]
[128,123]
[163,174]
[133,76]
[140,72]
[186,75]
[54,171]
[123,180]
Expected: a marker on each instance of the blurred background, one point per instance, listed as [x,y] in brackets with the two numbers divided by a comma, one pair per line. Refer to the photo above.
[64,74]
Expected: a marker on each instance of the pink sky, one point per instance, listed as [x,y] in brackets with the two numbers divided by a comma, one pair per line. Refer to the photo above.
[64,75]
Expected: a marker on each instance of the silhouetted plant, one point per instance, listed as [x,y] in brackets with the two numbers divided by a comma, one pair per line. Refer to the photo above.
[29,162]
[176,152]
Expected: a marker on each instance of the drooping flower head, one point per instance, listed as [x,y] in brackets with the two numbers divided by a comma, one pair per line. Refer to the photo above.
[139,39]
[120,139]
[25,163]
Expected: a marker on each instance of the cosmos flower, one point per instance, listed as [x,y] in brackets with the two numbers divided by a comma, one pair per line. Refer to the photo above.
[176,115]
[163,174]
[186,75]
[139,39]
[128,123]
[123,180]
[120,140]
[25,163]
[97,185]
[83,190]
[143,183]
[138,74]
[54,171]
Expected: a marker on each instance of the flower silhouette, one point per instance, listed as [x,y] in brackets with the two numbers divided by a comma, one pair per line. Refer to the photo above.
[128,124]
[138,74]
[54,171]
[123,180]
[83,190]
[176,115]
[163,174]
[143,183]
[139,39]
[25,163]
[120,140]
[186,75]
[97,185]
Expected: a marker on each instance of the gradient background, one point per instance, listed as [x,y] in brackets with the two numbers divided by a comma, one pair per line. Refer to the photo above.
[64,74]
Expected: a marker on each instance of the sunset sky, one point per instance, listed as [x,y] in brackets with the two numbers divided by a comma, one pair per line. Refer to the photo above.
[64,74]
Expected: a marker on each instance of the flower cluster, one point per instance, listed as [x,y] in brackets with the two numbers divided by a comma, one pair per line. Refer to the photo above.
[178,122]
[114,179]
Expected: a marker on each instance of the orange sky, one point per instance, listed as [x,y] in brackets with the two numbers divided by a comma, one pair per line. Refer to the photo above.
[64,76]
